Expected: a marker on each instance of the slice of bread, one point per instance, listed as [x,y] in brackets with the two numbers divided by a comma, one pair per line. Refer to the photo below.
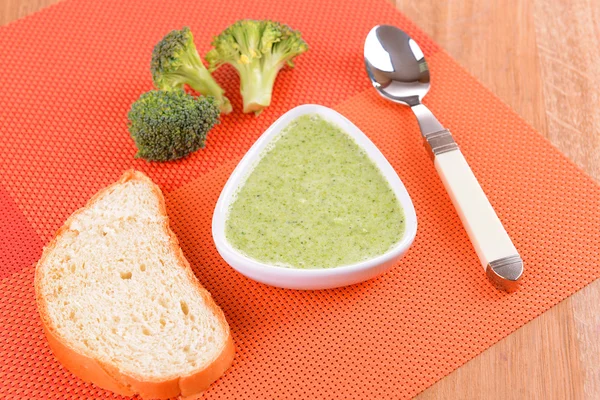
[119,303]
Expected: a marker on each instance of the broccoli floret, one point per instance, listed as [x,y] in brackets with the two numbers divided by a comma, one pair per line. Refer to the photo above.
[167,125]
[175,62]
[257,50]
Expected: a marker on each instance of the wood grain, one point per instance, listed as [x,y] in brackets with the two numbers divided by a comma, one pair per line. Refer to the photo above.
[11,10]
[542,58]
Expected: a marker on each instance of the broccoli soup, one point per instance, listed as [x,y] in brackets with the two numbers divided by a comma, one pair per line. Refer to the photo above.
[314,200]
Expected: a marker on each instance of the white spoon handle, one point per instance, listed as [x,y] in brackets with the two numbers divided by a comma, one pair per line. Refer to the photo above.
[496,252]
[488,236]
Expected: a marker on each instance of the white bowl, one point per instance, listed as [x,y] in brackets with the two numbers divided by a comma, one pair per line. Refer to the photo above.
[308,279]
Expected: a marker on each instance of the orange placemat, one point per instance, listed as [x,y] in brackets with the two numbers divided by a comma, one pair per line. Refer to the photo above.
[67,78]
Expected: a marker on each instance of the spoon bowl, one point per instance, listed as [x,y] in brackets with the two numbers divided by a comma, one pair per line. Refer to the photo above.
[396,65]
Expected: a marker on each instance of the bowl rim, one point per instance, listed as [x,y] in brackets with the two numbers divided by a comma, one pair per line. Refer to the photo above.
[247,265]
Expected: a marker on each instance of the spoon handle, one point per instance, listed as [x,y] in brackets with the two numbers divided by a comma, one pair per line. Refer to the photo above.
[497,254]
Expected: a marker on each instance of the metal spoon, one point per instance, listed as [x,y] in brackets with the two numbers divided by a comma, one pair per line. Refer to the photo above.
[399,72]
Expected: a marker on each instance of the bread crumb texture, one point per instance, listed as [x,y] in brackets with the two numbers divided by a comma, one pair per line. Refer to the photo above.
[116,291]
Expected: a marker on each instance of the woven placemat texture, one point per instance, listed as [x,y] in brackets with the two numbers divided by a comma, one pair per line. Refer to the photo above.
[68,76]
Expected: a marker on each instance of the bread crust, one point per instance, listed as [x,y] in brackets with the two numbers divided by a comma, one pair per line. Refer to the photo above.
[109,377]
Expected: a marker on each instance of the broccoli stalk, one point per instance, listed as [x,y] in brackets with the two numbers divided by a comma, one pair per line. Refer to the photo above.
[175,62]
[257,50]
[167,125]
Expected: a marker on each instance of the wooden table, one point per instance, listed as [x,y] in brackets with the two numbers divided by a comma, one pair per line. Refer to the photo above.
[542,57]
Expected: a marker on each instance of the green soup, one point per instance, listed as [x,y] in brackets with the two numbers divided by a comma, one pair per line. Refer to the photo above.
[314,200]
